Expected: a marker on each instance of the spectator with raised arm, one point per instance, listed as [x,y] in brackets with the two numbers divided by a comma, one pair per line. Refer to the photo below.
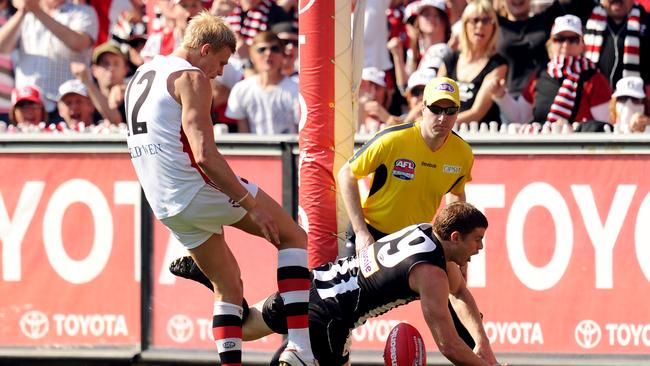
[413,92]
[48,36]
[629,109]
[109,68]
[432,59]
[129,33]
[109,71]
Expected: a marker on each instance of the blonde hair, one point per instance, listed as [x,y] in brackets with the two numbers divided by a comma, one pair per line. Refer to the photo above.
[476,7]
[206,28]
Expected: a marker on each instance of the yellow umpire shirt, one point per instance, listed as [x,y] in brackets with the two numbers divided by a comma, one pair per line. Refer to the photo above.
[409,179]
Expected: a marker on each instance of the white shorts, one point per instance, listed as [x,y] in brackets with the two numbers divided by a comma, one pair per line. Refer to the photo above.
[206,214]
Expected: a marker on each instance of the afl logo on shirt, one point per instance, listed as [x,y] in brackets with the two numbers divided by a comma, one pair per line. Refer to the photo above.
[404,169]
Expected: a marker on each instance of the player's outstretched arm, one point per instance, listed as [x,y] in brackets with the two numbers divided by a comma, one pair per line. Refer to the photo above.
[465,306]
[432,285]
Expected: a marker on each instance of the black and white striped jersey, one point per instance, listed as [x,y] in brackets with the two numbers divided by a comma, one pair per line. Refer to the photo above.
[354,289]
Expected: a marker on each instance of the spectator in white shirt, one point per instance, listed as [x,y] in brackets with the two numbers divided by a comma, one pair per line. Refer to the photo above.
[48,35]
[265,103]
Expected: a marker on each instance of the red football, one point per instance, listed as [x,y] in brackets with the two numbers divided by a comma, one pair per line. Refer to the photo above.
[405,347]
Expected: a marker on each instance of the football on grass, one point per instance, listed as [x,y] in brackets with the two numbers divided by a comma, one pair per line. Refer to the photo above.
[405,347]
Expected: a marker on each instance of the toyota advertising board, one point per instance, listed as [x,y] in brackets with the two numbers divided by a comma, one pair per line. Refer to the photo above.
[566,261]
[71,256]
[565,269]
[565,253]
[70,269]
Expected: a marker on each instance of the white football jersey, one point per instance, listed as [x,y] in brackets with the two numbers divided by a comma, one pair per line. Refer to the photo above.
[159,149]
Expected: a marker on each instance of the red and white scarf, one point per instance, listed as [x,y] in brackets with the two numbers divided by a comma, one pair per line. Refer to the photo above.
[595,27]
[249,23]
[569,69]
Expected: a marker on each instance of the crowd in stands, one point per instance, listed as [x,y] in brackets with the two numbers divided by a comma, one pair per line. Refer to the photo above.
[523,66]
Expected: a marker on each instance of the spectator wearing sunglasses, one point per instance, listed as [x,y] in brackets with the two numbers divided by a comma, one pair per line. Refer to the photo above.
[569,89]
[523,37]
[267,102]
[476,63]
[288,35]
[629,107]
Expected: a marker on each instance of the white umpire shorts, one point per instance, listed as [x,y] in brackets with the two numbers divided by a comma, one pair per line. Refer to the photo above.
[206,214]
